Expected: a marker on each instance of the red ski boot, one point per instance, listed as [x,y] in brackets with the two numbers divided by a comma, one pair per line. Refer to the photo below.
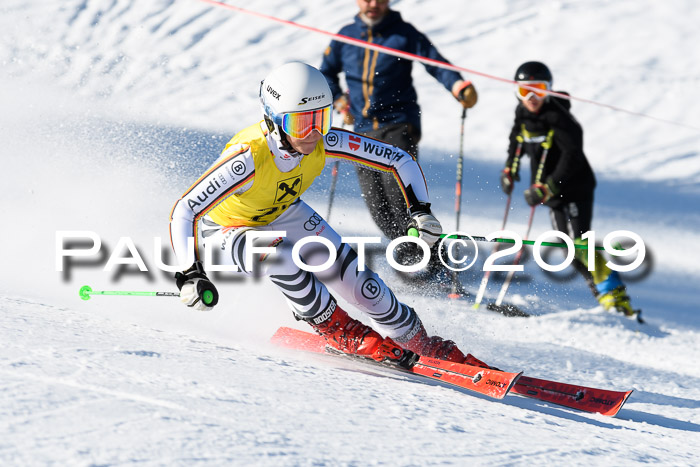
[437,347]
[472,360]
[345,333]
[390,350]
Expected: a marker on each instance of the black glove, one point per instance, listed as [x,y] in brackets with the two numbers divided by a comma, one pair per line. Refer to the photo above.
[508,180]
[428,227]
[196,290]
[537,193]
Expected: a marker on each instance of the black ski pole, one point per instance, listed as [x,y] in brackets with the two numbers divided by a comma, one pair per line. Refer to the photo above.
[504,288]
[458,199]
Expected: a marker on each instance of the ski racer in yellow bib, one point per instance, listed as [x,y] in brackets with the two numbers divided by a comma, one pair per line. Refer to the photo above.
[273,190]
[256,185]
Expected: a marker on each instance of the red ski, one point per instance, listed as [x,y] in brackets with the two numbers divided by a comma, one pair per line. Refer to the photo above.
[492,383]
[583,398]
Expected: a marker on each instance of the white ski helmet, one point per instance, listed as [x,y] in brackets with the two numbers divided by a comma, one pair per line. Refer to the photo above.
[291,88]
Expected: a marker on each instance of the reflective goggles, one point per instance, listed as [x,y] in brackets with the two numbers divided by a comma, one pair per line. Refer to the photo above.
[300,124]
[524,93]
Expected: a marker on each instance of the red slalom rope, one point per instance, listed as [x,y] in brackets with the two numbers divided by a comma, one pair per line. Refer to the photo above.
[430,61]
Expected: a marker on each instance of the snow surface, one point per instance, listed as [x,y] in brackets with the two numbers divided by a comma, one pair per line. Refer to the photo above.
[112,109]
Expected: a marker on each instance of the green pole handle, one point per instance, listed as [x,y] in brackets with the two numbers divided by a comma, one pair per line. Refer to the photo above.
[525,242]
[86,291]
[413,232]
[208,297]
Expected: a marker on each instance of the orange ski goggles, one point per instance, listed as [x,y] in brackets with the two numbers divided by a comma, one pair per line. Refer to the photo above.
[533,88]
[300,124]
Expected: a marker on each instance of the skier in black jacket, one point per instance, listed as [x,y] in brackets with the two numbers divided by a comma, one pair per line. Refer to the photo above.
[561,177]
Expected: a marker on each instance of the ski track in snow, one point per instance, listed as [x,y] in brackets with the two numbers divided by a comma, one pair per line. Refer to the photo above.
[112,109]
[96,385]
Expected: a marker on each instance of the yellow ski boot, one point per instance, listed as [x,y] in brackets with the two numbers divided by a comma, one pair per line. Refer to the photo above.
[618,300]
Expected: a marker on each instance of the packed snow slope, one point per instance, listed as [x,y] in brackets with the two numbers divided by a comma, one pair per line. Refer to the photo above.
[112,109]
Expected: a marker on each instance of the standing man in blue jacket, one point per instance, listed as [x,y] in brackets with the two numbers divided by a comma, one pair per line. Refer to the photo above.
[382,101]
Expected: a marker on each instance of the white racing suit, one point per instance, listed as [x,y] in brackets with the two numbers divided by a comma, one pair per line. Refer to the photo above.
[256,185]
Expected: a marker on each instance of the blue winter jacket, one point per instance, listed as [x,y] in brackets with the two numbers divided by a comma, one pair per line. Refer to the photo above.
[380,85]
